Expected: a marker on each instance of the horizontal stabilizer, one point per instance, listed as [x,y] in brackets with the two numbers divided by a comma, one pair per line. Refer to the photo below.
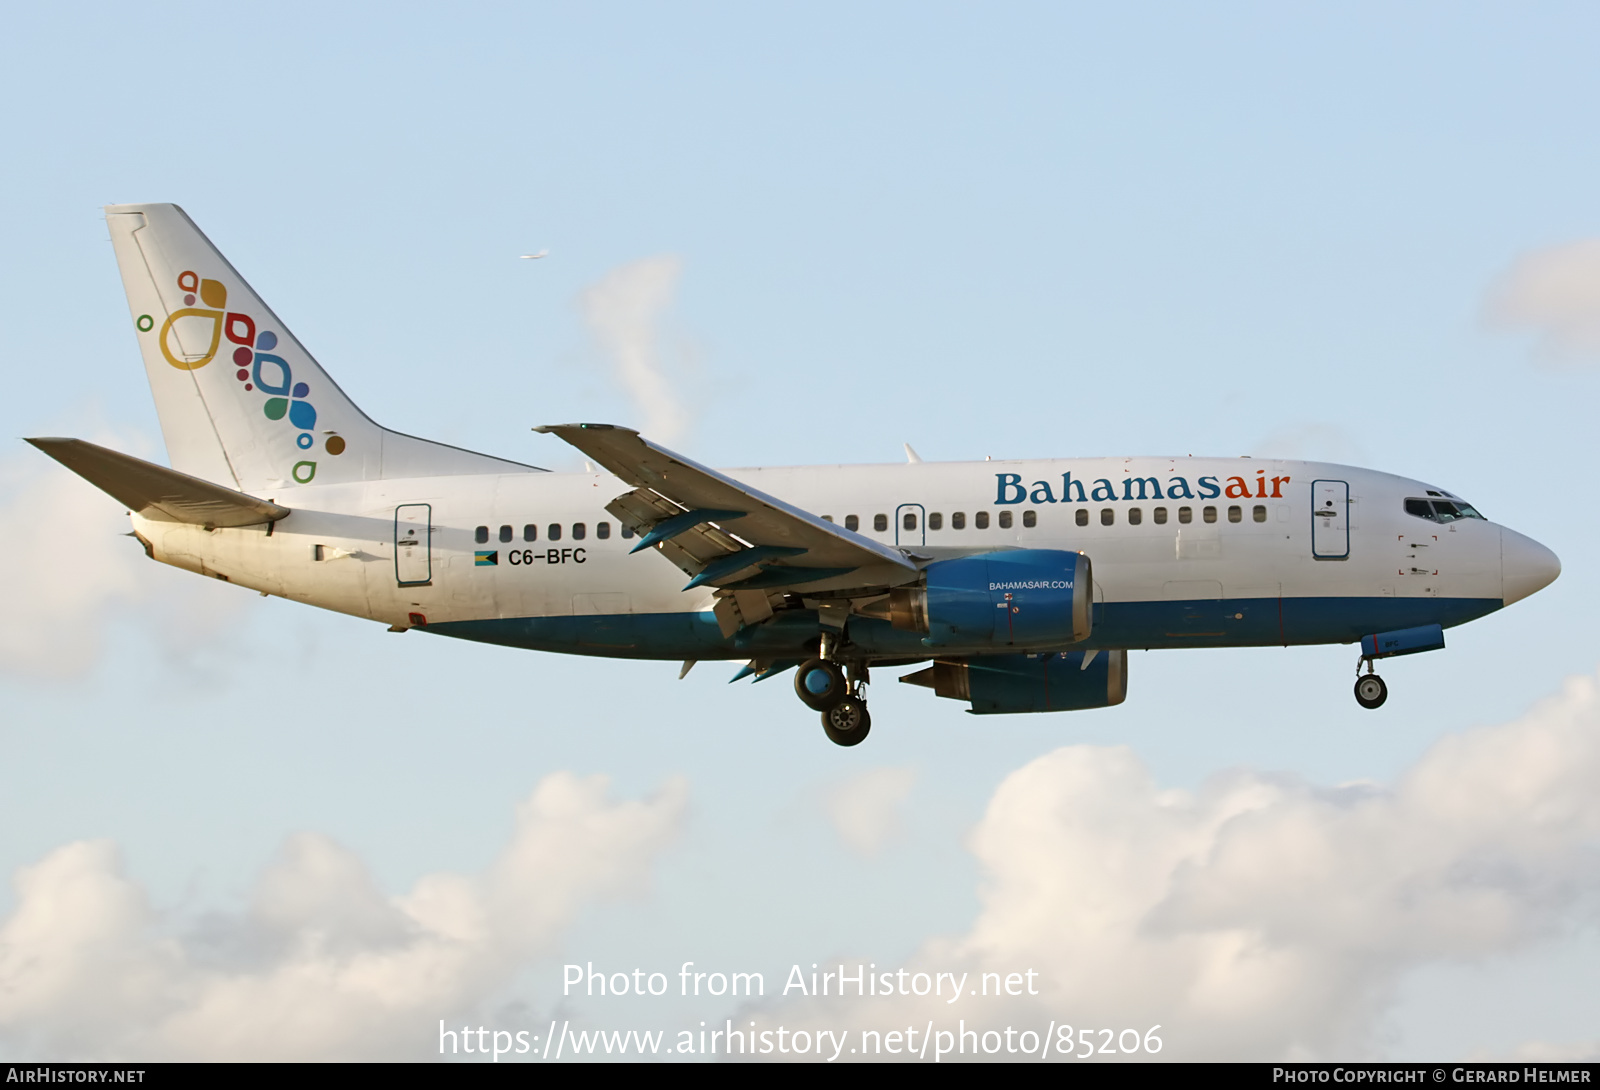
[157,492]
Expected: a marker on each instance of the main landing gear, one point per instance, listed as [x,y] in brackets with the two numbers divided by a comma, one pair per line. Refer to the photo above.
[823,686]
[1371,692]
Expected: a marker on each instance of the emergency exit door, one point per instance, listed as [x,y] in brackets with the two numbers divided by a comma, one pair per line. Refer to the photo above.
[910,525]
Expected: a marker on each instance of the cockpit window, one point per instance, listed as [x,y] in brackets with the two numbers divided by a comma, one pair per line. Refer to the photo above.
[1450,510]
[1441,510]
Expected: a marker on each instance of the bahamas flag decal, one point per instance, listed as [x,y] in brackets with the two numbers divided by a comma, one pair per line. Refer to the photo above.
[486,559]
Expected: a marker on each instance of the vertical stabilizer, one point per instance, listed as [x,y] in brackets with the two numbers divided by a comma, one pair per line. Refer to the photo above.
[241,402]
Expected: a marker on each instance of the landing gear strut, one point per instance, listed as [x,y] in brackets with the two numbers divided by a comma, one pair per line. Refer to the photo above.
[823,686]
[1371,692]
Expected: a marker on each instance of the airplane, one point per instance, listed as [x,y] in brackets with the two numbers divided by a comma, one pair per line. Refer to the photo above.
[1015,586]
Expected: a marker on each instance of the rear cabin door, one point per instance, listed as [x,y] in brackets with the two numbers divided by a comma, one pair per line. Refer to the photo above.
[413,544]
[1330,520]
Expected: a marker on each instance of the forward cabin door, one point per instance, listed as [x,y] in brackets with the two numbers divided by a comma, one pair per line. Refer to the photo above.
[413,544]
[1330,520]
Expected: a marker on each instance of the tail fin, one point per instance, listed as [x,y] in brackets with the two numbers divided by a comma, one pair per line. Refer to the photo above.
[241,402]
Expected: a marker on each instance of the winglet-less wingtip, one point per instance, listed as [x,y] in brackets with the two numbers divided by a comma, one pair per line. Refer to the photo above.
[555,429]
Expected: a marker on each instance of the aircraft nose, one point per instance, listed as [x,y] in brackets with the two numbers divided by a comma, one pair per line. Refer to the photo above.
[1525,566]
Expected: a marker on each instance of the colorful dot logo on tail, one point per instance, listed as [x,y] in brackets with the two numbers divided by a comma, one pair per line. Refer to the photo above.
[189,328]
[192,336]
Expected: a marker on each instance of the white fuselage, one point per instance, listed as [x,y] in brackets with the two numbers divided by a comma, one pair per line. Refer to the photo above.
[1189,564]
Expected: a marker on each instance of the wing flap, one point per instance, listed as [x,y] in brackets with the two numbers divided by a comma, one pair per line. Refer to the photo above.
[700,519]
[157,492]
[649,514]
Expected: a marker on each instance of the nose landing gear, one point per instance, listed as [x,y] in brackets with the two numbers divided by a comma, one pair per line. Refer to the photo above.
[1371,692]
[824,687]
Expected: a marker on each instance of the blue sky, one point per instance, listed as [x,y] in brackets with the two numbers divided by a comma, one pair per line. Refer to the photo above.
[1355,234]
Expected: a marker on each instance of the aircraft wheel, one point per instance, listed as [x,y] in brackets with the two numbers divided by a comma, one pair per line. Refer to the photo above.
[820,684]
[847,722]
[1371,692]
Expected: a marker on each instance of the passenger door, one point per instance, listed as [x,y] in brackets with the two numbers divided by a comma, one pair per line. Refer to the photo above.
[413,544]
[1330,520]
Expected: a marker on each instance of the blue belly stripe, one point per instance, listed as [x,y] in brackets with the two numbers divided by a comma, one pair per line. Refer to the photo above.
[1243,622]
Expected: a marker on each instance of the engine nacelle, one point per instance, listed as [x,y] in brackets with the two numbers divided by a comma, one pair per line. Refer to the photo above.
[1008,684]
[1013,598]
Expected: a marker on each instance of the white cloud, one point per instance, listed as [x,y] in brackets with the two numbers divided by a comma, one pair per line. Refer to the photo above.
[1556,293]
[67,567]
[865,810]
[1262,917]
[624,311]
[73,570]
[323,965]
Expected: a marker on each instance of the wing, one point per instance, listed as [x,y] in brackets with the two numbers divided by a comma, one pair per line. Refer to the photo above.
[727,535]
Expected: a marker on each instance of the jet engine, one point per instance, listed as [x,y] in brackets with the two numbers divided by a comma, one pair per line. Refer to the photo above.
[1013,598]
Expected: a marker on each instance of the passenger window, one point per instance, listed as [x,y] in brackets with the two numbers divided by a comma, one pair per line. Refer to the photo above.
[936,521]
[1135,516]
[880,523]
[1030,518]
[1081,516]
[481,535]
[1209,514]
[1107,516]
[1186,515]
[981,520]
[1160,516]
[530,532]
[602,530]
[627,531]
[505,533]
[1005,520]
[827,518]
[909,520]
[1234,514]
[958,521]
[852,523]
[579,531]
[1259,512]
[553,532]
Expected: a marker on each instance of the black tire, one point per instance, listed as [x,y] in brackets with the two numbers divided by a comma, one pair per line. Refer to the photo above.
[820,685]
[1371,692]
[847,722]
